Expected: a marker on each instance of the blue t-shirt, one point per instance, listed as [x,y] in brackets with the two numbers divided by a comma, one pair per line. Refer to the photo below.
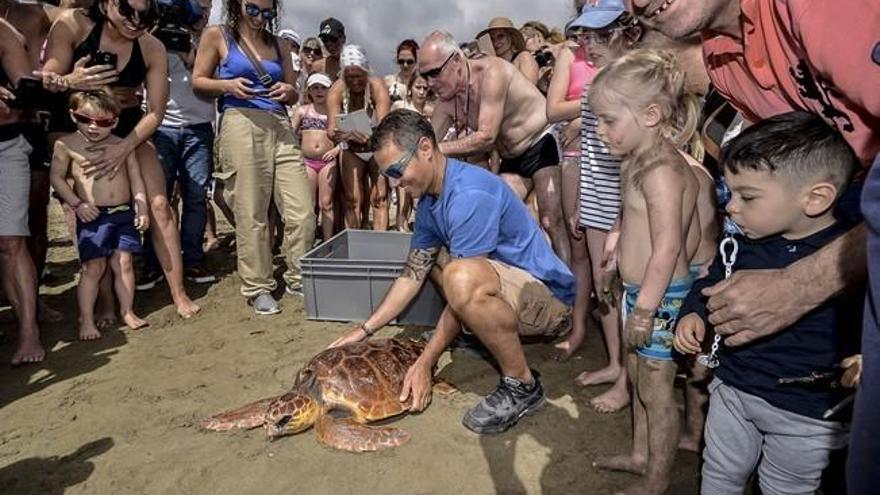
[477,214]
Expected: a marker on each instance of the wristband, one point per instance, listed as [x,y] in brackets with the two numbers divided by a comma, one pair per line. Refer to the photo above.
[367,329]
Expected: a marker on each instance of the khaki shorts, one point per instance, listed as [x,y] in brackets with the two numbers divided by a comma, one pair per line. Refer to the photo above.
[538,312]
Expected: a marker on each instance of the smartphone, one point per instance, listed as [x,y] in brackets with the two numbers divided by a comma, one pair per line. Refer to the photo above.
[102,58]
[30,95]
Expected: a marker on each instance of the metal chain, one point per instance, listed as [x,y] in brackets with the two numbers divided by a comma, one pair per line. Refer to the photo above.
[728,259]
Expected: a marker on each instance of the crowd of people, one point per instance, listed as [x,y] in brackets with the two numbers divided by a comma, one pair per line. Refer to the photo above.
[694,175]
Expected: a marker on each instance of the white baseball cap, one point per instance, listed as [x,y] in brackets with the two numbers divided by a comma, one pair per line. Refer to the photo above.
[318,78]
[291,35]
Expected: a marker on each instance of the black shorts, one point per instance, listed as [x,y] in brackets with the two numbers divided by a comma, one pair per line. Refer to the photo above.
[544,153]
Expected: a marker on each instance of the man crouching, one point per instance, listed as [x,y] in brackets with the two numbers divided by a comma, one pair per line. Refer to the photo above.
[501,278]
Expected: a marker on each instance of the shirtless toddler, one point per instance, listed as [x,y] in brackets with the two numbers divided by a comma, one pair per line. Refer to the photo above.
[106,218]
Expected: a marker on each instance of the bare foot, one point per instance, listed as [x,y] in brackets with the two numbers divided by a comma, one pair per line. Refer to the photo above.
[611,401]
[625,463]
[106,320]
[29,351]
[133,322]
[607,374]
[690,443]
[46,314]
[88,331]
[186,308]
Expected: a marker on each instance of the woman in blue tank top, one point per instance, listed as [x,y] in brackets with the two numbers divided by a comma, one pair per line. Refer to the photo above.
[257,156]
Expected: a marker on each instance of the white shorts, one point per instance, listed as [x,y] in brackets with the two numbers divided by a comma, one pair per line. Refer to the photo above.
[15,187]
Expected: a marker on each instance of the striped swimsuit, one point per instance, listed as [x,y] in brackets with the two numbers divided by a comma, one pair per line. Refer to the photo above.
[599,183]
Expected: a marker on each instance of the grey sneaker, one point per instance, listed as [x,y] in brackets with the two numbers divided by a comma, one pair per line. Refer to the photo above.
[504,407]
[264,304]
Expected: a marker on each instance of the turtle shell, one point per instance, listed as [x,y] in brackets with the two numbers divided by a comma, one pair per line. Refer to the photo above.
[366,377]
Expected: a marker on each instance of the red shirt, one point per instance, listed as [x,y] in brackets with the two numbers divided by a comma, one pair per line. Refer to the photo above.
[821,56]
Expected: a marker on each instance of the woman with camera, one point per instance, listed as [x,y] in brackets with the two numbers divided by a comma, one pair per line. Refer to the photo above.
[109,45]
[246,66]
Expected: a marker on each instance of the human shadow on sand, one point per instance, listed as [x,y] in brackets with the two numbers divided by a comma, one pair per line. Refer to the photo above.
[52,475]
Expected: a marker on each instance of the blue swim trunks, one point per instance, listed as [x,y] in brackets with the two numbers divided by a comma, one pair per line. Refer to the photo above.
[695,269]
[112,230]
[665,318]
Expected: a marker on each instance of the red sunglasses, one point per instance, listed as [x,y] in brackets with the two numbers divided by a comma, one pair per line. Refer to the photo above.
[88,119]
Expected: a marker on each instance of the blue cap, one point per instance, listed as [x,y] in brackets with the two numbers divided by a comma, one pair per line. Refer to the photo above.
[597,16]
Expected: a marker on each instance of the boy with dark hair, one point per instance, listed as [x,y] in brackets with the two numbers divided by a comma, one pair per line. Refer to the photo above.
[785,174]
[105,219]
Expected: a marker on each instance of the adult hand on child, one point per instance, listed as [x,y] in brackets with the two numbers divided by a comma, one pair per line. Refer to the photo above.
[638,328]
[853,371]
[689,334]
[86,212]
[108,162]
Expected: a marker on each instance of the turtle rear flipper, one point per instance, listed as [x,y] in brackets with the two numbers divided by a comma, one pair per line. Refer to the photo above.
[245,417]
[347,434]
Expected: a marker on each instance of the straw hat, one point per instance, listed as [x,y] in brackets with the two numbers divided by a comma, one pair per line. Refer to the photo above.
[516,37]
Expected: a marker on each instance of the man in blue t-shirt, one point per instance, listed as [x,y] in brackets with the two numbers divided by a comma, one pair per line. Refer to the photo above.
[501,278]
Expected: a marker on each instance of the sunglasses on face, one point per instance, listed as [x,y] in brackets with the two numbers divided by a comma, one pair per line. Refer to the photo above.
[395,170]
[139,19]
[406,61]
[311,51]
[98,121]
[435,73]
[254,11]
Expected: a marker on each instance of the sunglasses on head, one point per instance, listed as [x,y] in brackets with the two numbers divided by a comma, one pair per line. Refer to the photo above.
[254,11]
[435,73]
[406,61]
[395,170]
[98,121]
[140,19]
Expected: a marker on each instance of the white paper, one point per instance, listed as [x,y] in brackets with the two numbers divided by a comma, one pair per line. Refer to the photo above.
[355,121]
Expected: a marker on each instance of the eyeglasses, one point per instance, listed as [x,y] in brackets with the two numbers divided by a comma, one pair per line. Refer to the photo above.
[98,121]
[139,19]
[308,50]
[406,61]
[395,170]
[435,73]
[254,10]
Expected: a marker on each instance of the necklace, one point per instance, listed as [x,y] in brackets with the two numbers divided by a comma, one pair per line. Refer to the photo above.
[467,106]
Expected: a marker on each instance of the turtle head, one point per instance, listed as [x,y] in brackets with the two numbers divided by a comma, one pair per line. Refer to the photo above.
[291,413]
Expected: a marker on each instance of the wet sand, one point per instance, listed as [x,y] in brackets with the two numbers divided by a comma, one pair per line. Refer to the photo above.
[119,415]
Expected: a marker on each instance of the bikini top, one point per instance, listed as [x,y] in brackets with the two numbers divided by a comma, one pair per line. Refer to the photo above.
[313,121]
[135,71]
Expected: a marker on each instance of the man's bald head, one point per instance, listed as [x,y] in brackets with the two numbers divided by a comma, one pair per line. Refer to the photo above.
[436,48]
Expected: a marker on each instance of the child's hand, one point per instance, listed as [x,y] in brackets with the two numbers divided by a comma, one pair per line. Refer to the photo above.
[331,154]
[689,334]
[141,220]
[608,284]
[638,328]
[853,374]
[86,212]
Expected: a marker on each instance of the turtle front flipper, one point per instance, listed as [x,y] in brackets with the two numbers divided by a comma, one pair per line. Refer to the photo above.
[246,417]
[349,435]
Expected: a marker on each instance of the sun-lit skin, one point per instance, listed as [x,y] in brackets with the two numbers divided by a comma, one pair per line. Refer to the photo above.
[256,22]
[619,128]
[418,177]
[680,19]
[91,131]
[419,92]
[501,43]
[406,70]
[356,79]
[450,81]
[126,27]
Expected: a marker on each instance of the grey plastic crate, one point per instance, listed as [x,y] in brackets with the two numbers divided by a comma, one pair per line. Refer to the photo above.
[345,278]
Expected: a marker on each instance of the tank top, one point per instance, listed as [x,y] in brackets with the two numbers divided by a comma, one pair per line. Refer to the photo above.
[135,71]
[582,73]
[237,64]
[313,121]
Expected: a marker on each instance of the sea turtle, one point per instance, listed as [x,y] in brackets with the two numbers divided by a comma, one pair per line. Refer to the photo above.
[338,391]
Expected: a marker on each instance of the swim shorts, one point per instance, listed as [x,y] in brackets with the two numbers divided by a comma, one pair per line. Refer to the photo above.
[665,318]
[15,182]
[113,230]
[542,154]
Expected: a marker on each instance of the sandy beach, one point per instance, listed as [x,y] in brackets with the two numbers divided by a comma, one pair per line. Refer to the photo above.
[120,415]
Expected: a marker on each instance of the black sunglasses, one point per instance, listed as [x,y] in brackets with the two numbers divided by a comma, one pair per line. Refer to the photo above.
[406,61]
[309,50]
[141,19]
[435,73]
[254,10]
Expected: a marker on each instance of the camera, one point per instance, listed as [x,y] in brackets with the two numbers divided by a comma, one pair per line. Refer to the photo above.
[176,17]
[30,95]
[544,58]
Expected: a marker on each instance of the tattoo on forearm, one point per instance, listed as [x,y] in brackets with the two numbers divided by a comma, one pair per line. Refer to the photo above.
[419,263]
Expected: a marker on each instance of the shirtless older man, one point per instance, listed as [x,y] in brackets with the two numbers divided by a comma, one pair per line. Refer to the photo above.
[489,103]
